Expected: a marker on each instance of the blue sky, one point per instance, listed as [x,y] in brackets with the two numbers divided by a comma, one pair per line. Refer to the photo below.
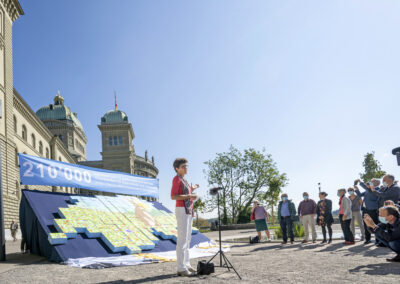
[314,82]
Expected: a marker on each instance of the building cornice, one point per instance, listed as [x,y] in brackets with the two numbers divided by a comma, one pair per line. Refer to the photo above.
[14,9]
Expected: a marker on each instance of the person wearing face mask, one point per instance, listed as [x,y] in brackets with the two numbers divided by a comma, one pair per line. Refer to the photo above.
[370,204]
[389,191]
[324,215]
[286,217]
[345,216]
[307,209]
[356,203]
[388,231]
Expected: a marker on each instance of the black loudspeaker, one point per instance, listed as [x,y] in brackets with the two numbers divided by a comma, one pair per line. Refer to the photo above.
[205,268]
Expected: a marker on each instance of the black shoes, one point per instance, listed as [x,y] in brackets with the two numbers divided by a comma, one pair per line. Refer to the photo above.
[330,241]
[394,259]
[367,242]
[323,242]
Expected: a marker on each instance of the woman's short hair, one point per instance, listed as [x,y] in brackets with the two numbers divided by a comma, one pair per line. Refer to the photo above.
[323,193]
[178,162]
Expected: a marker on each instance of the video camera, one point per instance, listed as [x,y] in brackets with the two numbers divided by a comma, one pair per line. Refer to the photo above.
[396,152]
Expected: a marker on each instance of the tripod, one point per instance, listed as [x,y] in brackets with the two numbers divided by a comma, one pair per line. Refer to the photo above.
[221,254]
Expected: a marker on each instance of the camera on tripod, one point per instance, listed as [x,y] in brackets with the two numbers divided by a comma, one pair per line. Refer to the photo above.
[396,152]
[214,190]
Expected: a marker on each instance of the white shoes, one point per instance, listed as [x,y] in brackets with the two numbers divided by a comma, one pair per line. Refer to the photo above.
[191,269]
[185,273]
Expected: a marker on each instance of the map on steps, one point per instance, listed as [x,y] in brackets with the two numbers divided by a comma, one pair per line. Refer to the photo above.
[124,223]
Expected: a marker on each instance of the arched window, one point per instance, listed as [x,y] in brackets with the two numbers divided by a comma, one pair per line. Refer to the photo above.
[15,125]
[47,153]
[115,140]
[24,133]
[40,147]
[33,140]
[110,141]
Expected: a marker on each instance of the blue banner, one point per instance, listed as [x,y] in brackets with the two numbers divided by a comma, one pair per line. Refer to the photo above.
[40,171]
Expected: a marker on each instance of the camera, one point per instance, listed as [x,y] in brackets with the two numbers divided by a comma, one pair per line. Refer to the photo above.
[396,152]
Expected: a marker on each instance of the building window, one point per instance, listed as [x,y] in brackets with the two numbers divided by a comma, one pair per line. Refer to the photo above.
[15,124]
[47,153]
[33,140]
[60,136]
[40,147]
[110,141]
[115,140]
[24,134]
[60,159]
[120,140]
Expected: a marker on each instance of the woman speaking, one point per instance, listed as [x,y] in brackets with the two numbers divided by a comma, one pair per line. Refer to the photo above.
[182,192]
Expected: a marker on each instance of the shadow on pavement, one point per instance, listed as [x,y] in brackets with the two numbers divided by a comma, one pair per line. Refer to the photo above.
[368,251]
[378,269]
[145,280]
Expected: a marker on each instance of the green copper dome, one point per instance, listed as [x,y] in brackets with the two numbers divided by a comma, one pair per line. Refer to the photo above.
[114,116]
[58,111]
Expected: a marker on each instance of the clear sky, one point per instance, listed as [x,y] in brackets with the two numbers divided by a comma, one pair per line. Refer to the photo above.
[317,83]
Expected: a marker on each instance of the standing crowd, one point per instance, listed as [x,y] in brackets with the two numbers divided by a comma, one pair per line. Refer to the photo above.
[375,210]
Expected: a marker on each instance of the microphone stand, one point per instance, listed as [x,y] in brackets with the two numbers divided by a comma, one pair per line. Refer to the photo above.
[222,255]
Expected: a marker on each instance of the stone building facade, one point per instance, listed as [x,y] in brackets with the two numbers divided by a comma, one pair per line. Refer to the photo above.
[53,132]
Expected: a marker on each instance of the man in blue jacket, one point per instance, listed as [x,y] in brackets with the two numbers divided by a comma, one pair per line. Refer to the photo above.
[390,191]
[286,216]
[370,204]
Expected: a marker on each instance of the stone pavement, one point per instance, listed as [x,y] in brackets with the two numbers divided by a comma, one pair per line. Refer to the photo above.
[259,263]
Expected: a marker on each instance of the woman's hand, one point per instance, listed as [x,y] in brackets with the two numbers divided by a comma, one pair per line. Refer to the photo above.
[192,196]
[196,186]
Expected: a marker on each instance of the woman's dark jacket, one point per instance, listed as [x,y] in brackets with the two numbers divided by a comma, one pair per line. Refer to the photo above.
[328,211]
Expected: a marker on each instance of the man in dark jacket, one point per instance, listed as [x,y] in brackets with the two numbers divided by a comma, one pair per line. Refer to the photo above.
[286,216]
[370,203]
[389,191]
[388,231]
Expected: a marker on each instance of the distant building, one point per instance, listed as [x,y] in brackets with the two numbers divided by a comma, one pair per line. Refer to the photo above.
[54,131]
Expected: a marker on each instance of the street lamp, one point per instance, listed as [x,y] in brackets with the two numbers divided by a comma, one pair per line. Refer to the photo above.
[319,187]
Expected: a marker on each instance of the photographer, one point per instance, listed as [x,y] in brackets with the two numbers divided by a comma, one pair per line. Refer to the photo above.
[390,191]
[370,203]
[388,231]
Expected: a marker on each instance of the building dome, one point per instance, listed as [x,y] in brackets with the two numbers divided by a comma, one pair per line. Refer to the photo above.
[114,117]
[59,111]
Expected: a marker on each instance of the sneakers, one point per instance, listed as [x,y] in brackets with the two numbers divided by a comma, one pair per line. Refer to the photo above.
[283,243]
[185,273]
[304,242]
[191,269]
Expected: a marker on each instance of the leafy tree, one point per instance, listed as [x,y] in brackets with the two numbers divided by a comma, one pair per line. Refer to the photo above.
[198,205]
[243,177]
[372,168]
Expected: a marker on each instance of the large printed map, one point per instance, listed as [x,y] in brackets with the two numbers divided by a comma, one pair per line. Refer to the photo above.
[124,223]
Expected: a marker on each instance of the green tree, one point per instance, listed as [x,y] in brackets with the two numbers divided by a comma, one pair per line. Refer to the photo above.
[372,168]
[198,206]
[243,177]
[272,195]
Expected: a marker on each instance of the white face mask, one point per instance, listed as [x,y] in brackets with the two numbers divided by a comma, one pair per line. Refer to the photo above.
[385,184]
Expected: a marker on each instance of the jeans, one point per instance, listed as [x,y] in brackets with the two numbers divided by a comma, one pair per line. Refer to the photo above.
[287,224]
[348,235]
[393,245]
[308,221]
[329,231]
[184,237]
[374,215]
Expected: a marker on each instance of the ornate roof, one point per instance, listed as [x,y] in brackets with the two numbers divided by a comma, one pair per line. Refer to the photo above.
[114,117]
[59,111]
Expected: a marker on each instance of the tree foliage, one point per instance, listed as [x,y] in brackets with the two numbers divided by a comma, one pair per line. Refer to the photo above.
[243,176]
[198,206]
[372,168]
